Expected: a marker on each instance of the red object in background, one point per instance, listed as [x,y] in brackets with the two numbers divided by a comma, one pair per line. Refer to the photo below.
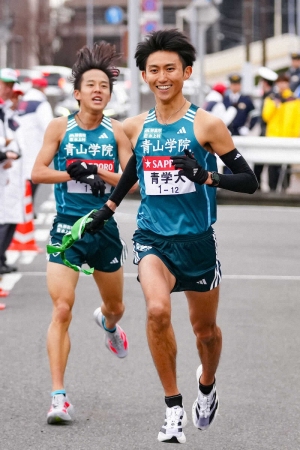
[24,235]
[39,82]
[220,87]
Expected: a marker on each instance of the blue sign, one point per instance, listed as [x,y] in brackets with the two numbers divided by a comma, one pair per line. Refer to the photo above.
[114,15]
[150,26]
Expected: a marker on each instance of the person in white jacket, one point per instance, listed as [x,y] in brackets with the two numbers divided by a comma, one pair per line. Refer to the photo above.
[11,180]
[214,104]
[35,113]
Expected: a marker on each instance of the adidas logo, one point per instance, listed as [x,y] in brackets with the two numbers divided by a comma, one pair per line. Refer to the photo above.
[237,156]
[114,261]
[103,136]
[203,281]
[181,131]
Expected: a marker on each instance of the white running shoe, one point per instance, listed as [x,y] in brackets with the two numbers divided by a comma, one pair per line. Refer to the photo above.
[171,431]
[60,411]
[205,407]
[116,342]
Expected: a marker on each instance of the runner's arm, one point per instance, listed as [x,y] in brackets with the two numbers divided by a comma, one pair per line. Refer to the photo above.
[41,172]
[219,140]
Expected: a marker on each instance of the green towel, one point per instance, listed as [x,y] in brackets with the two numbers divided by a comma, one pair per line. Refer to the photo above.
[77,232]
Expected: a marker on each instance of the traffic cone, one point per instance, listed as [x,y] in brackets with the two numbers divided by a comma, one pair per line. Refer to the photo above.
[24,235]
[3,293]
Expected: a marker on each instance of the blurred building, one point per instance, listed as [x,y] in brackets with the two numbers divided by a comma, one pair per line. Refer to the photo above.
[73,34]
[26,33]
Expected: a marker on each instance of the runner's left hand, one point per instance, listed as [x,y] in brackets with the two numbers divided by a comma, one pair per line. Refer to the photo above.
[190,167]
[99,218]
[95,182]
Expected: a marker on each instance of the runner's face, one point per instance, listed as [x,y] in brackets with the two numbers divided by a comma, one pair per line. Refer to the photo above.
[165,75]
[94,91]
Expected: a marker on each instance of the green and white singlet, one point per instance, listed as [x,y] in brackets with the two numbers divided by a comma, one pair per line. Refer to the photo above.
[96,146]
[172,205]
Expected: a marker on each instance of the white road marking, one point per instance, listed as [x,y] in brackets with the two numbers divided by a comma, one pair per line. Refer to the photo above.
[8,281]
[41,234]
[27,257]
[225,277]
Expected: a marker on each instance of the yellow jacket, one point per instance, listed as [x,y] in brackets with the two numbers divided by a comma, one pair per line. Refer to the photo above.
[283,120]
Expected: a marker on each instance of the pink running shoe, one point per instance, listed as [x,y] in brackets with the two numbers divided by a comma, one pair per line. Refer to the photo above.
[60,410]
[116,342]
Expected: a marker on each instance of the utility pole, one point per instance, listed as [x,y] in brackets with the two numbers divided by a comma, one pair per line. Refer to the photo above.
[247,25]
[298,17]
[263,28]
[278,17]
[247,83]
[291,17]
[133,15]
[90,23]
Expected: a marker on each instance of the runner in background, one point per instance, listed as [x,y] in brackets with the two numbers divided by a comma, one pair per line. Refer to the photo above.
[87,149]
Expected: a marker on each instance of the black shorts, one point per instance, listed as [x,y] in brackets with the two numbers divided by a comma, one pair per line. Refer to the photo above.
[193,260]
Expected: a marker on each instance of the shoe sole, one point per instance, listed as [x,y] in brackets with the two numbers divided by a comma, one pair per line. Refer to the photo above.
[58,418]
[194,415]
[174,439]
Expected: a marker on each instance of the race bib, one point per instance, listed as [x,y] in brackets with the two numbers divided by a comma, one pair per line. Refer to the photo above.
[75,187]
[161,177]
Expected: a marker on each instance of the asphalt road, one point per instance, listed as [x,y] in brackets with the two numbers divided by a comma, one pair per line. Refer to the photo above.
[119,403]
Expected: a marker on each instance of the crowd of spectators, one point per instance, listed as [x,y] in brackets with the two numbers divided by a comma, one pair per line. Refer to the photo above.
[275,113]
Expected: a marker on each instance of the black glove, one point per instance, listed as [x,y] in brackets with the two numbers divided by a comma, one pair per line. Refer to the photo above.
[95,182]
[7,155]
[2,156]
[190,167]
[99,218]
[78,169]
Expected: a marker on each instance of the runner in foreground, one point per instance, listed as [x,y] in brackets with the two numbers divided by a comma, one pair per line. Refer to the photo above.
[175,147]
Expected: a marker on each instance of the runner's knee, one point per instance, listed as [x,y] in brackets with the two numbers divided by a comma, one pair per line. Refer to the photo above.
[206,333]
[62,312]
[159,316]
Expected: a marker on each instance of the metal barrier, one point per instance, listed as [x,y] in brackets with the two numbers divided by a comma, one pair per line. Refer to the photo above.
[267,150]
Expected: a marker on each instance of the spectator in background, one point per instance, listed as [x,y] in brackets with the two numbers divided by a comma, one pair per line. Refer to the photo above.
[12,187]
[294,72]
[215,105]
[17,93]
[281,112]
[267,78]
[245,110]
[35,114]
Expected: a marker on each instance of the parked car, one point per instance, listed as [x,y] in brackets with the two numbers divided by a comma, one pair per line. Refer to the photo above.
[25,76]
[58,78]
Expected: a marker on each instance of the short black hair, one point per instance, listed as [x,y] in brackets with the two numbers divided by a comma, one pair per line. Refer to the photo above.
[165,40]
[102,56]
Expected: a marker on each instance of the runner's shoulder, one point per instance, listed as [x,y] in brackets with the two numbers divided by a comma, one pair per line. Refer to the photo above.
[133,125]
[57,126]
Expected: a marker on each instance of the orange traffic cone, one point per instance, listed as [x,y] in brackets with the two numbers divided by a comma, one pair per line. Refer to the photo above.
[24,235]
[3,293]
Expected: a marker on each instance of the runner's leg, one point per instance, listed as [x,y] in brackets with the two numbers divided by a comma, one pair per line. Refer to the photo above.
[157,283]
[61,282]
[203,312]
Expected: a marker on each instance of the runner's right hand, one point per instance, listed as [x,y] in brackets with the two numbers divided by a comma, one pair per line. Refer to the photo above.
[99,218]
[78,169]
